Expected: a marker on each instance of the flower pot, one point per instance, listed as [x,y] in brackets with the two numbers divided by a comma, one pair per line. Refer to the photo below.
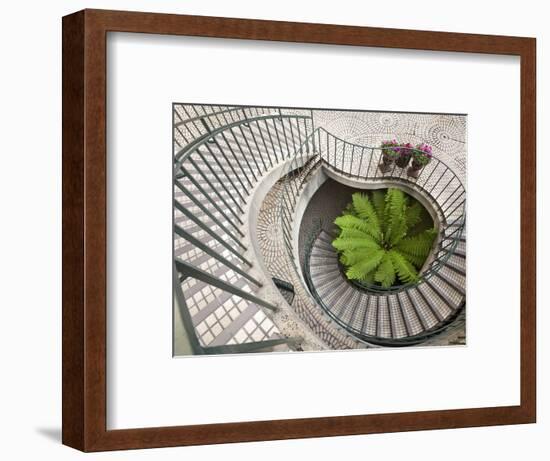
[386,163]
[403,160]
[415,169]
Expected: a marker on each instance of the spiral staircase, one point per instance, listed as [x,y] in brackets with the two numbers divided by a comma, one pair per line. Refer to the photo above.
[242,180]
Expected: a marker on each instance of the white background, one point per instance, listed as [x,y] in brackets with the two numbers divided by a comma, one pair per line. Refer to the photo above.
[145,386]
[31,239]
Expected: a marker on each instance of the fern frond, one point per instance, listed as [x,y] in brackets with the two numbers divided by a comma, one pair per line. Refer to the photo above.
[385,274]
[405,270]
[351,257]
[365,210]
[361,268]
[354,233]
[418,245]
[395,216]
[342,244]
[412,214]
[354,222]
[379,202]
[368,278]
[416,261]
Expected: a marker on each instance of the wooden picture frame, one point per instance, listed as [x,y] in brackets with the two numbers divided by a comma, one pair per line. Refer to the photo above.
[85,222]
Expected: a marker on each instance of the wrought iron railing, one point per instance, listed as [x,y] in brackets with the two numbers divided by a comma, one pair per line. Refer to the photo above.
[317,229]
[436,183]
[220,154]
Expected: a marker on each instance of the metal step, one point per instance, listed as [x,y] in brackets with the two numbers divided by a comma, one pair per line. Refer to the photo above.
[398,324]
[410,314]
[384,327]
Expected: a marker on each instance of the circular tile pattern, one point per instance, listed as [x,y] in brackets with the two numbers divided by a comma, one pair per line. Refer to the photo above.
[447,133]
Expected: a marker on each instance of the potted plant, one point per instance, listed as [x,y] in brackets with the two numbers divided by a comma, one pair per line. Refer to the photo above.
[421,156]
[390,152]
[405,153]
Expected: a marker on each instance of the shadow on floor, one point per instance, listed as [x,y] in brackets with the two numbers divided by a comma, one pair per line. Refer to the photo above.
[52,433]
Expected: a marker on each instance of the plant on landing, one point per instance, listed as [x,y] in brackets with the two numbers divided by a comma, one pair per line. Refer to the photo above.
[422,154]
[405,153]
[390,149]
[377,242]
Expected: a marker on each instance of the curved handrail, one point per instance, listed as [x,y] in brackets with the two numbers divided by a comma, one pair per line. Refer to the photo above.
[362,336]
[230,111]
[300,154]
[241,160]
[237,169]
[192,120]
[361,146]
[426,274]
[185,152]
[285,212]
[446,245]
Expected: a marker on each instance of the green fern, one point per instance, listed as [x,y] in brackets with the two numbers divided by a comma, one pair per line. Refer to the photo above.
[376,239]
[365,210]
[385,273]
[413,214]
[404,269]
[418,245]
[365,265]
[396,204]
[349,221]
[379,202]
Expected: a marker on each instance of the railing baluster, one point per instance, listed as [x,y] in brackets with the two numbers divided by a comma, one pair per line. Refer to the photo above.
[244,155]
[299,131]
[251,132]
[360,162]
[215,157]
[207,212]
[278,139]
[271,143]
[194,272]
[249,149]
[193,121]
[449,197]
[443,188]
[286,136]
[431,174]
[292,134]
[460,204]
[219,180]
[209,231]
[265,146]
[176,113]
[437,182]
[335,155]
[190,177]
[453,202]
[343,155]
[236,161]
[214,254]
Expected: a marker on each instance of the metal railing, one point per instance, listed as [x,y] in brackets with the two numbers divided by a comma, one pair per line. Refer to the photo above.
[369,339]
[221,154]
[436,183]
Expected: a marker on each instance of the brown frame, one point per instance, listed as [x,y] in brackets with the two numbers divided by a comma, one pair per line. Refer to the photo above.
[84,229]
